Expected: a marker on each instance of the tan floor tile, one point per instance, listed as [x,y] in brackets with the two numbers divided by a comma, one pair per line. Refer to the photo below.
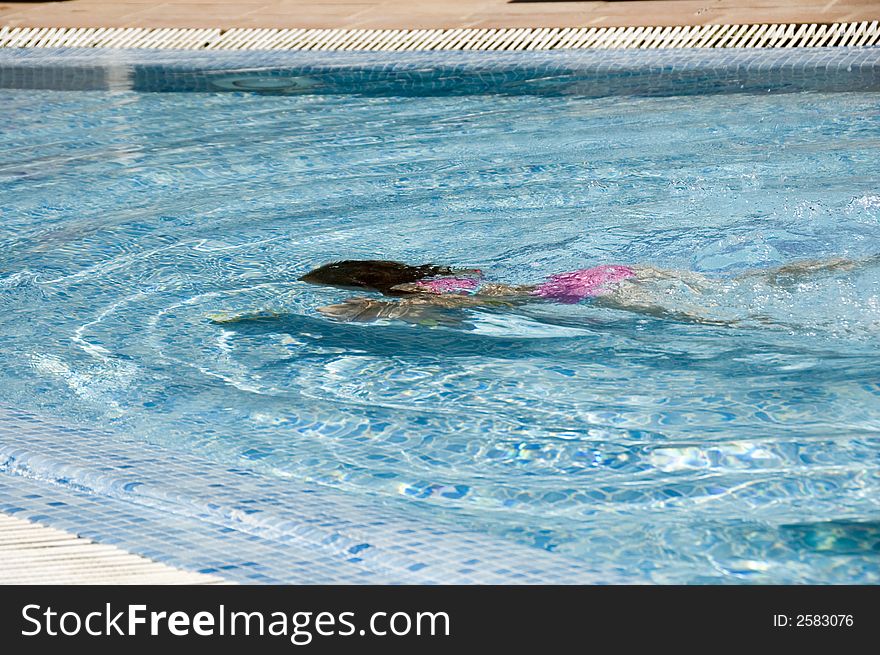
[426,13]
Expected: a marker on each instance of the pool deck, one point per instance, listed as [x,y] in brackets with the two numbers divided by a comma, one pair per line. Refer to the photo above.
[427,14]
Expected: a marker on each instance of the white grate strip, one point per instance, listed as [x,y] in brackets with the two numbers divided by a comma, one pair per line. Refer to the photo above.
[807,35]
[34,554]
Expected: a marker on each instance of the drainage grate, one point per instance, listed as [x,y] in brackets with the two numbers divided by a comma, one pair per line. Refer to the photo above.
[806,35]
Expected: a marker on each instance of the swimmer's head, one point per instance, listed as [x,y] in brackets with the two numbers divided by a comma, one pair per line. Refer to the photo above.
[372,275]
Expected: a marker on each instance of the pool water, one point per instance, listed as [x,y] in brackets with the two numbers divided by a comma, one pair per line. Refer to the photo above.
[685,452]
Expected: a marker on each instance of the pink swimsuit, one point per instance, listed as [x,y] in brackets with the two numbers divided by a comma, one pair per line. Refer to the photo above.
[460,285]
[569,288]
[574,286]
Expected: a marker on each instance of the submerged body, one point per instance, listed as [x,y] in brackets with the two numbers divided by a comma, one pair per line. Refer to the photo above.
[426,291]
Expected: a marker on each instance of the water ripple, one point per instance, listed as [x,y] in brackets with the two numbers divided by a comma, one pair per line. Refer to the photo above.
[686,452]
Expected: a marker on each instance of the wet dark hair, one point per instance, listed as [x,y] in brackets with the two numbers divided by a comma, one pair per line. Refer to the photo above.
[372,274]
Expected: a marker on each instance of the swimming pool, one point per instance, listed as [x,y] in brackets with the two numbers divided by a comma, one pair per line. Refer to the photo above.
[651,449]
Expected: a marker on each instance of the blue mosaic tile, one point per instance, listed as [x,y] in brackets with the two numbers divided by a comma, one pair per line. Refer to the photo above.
[183,511]
[591,73]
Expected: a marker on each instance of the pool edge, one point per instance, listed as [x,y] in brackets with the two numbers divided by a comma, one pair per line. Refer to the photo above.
[190,513]
[736,35]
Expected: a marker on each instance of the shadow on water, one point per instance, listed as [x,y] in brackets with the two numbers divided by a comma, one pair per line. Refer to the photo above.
[651,343]
[396,339]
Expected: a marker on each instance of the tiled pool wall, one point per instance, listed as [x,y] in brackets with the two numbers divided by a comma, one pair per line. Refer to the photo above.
[591,73]
[195,514]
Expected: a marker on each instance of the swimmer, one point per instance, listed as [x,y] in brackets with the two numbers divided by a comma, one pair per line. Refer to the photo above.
[424,294]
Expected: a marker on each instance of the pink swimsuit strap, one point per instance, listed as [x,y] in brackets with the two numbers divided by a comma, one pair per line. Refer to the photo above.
[574,286]
[460,285]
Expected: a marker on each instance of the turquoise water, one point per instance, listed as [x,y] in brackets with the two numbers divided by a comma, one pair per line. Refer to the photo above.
[685,452]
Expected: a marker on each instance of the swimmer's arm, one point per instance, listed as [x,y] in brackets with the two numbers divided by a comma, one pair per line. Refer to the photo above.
[423,308]
[485,292]
[410,310]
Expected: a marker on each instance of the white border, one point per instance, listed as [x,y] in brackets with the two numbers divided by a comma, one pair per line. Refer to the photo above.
[791,35]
